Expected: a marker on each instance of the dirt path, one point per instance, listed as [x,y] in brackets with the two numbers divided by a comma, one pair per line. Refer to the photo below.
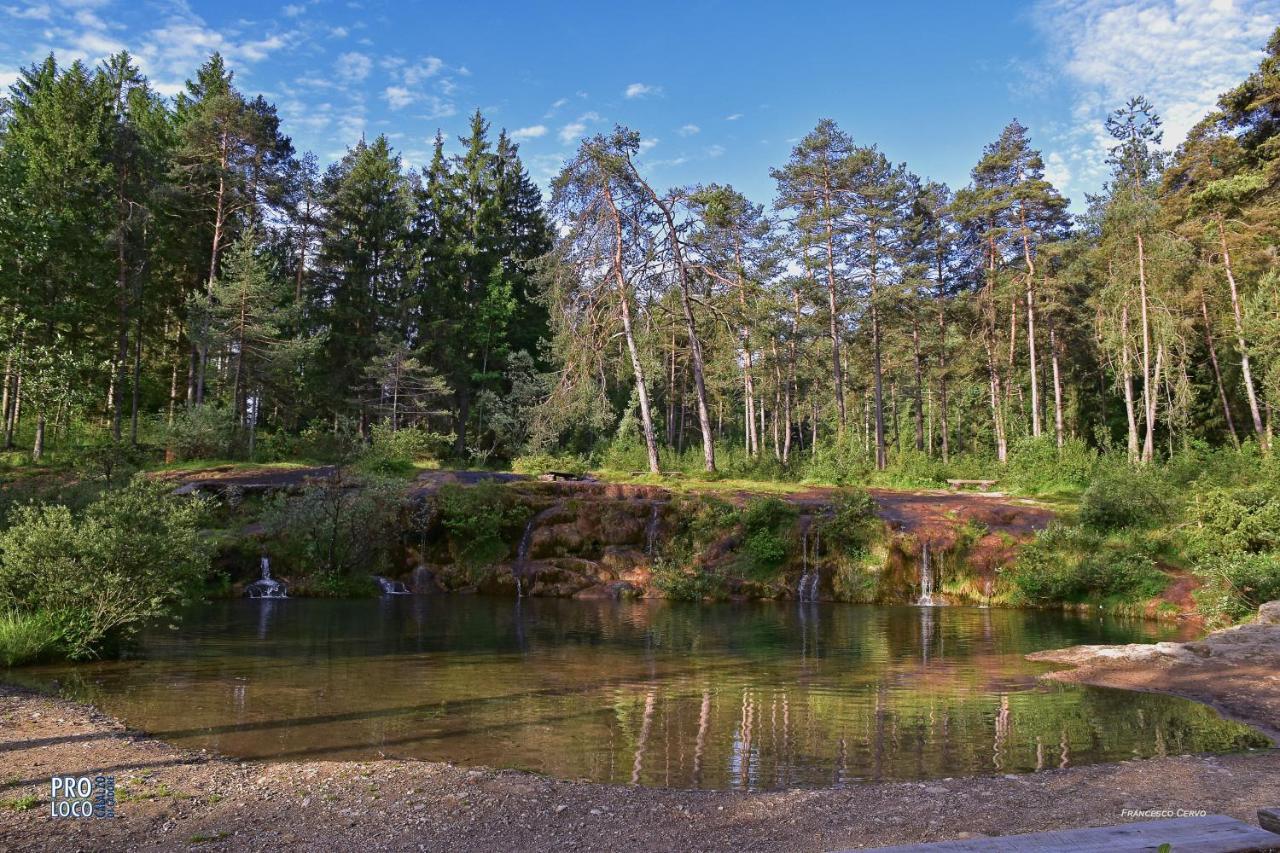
[170,799]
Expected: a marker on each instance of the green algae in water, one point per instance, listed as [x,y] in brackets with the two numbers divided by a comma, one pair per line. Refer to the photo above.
[751,696]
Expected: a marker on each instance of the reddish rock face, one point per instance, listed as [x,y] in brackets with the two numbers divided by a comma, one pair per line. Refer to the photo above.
[594,540]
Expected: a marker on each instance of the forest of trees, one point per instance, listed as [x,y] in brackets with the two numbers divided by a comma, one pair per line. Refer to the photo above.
[169,263]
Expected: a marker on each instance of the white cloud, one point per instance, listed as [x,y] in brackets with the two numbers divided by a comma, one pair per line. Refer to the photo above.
[689,130]
[733,117]
[1180,54]
[572,131]
[715,151]
[427,68]
[293,10]
[641,90]
[34,12]
[530,132]
[339,32]
[648,143]
[398,97]
[353,66]
[1056,170]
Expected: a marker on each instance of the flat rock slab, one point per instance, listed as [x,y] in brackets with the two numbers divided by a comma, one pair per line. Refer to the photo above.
[1209,834]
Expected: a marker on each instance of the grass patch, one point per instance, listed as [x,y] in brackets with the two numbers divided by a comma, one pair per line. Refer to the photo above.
[26,638]
[20,804]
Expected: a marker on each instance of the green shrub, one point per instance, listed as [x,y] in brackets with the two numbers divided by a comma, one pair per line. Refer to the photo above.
[342,525]
[853,524]
[1236,584]
[1123,496]
[1236,520]
[399,452]
[202,432]
[541,463]
[1039,465]
[1069,563]
[767,525]
[26,637]
[686,583]
[334,585]
[481,521]
[132,555]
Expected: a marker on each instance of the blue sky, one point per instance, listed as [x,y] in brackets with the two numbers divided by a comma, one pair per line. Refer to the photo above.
[720,91]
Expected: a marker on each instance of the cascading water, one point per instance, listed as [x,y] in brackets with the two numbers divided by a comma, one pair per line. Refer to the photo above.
[651,530]
[926,578]
[390,587]
[522,555]
[522,550]
[422,579]
[807,589]
[266,586]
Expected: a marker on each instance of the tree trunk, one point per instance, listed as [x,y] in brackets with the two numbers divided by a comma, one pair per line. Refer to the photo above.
[1058,431]
[878,374]
[37,448]
[1217,372]
[1126,373]
[1148,392]
[919,389]
[1237,314]
[1031,323]
[695,343]
[837,368]
[122,307]
[1149,445]
[748,386]
[637,367]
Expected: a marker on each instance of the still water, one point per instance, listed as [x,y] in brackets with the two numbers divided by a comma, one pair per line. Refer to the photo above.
[742,696]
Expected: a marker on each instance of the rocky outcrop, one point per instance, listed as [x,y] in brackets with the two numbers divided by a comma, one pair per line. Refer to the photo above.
[1236,670]
[602,540]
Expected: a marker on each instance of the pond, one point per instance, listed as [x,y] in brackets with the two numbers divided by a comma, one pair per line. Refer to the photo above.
[726,696]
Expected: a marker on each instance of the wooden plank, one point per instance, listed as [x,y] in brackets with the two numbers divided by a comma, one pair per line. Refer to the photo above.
[1209,834]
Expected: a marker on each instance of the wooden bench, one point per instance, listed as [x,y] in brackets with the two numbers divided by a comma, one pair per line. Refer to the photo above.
[552,476]
[1208,834]
[982,485]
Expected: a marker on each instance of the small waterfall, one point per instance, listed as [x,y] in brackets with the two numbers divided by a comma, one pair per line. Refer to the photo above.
[807,589]
[651,531]
[926,578]
[390,587]
[266,586]
[519,568]
[422,579]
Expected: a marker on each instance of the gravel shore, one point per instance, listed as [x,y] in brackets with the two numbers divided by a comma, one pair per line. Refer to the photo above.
[170,799]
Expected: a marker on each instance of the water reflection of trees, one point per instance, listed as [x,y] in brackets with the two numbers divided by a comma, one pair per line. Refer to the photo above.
[749,696]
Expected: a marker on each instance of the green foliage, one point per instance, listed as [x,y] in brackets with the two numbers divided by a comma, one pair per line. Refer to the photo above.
[1236,583]
[341,526]
[687,582]
[1038,465]
[853,524]
[1125,496]
[400,452]
[767,528]
[133,554]
[1071,563]
[481,521]
[202,432]
[334,585]
[1234,540]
